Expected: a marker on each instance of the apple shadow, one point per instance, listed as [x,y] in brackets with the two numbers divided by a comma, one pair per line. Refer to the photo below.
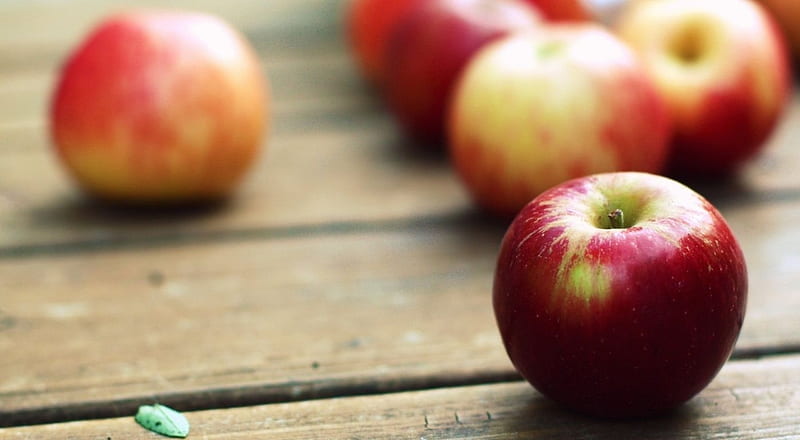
[730,190]
[403,148]
[542,418]
[720,190]
[80,212]
[415,154]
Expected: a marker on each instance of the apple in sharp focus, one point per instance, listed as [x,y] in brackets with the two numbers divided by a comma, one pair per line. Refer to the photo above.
[722,67]
[160,107]
[429,47]
[619,294]
[537,108]
[368,24]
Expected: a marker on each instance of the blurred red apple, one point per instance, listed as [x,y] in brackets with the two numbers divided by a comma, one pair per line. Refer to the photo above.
[428,48]
[619,294]
[563,10]
[368,24]
[787,14]
[604,11]
[722,67]
[538,108]
[160,107]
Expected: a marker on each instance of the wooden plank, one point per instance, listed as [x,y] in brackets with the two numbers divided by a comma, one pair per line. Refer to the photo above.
[748,400]
[34,33]
[278,319]
[375,243]
[319,178]
[334,155]
[773,260]
[280,315]
[329,160]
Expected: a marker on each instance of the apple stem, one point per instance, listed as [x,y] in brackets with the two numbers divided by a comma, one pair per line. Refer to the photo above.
[617,218]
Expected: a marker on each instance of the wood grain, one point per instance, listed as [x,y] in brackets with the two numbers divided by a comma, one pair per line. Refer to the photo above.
[334,154]
[348,263]
[327,174]
[279,318]
[749,399]
[282,315]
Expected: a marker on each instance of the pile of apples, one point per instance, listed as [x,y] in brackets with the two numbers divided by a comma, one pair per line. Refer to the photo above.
[618,292]
[527,94]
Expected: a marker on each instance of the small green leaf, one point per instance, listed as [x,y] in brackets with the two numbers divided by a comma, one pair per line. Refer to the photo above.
[163,420]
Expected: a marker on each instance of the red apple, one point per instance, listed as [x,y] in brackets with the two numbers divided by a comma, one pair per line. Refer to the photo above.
[160,107]
[427,50]
[619,294]
[579,10]
[538,108]
[368,24]
[722,67]
[563,10]
[787,14]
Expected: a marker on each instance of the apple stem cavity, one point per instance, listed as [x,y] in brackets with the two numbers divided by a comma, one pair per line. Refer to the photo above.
[688,44]
[617,218]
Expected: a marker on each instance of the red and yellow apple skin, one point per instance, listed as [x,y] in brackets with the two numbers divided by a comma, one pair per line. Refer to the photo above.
[158,107]
[429,48]
[619,320]
[368,24]
[723,70]
[541,107]
[562,10]
[787,14]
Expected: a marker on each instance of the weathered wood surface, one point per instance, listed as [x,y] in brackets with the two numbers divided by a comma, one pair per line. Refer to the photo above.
[748,400]
[275,318]
[348,263]
[312,312]
[334,154]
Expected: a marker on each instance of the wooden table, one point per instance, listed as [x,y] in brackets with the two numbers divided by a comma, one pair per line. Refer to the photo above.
[343,293]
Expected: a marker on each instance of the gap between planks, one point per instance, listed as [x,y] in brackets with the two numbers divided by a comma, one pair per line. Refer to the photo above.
[748,399]
[122,243]
[176,236]
[240,397]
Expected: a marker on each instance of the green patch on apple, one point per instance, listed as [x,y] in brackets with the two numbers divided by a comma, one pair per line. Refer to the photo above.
[598,267]
[589,281]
